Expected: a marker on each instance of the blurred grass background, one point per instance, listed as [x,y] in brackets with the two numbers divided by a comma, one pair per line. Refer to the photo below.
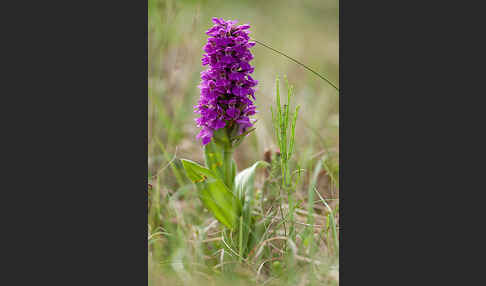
[307,30]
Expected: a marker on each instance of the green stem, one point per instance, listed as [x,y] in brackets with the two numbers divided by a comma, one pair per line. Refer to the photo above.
[288,188]
[240,230]
[228,166]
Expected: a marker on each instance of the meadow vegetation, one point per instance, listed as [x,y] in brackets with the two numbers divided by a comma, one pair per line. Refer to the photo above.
[290,234]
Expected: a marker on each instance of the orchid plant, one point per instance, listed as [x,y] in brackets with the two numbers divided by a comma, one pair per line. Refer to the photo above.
[225,106]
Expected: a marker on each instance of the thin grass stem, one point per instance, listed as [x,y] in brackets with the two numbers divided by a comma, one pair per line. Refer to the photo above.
[299,63]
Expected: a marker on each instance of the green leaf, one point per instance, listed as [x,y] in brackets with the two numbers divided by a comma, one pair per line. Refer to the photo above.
[213,155]
[213,193]
[244,189]
[245,179]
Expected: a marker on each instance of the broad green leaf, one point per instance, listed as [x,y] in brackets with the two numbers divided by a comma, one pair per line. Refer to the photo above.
[245,179]
[213,155]
[214,194]
[244,190]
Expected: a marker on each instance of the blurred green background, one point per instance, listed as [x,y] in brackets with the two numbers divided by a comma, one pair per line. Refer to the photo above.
[306,30]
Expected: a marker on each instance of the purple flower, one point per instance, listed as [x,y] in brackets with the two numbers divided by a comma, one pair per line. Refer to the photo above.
[227,89]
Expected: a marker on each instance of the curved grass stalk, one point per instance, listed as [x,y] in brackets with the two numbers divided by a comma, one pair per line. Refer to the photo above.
[299,63]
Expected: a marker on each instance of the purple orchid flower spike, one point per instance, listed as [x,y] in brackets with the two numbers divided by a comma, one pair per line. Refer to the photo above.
[227,89]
